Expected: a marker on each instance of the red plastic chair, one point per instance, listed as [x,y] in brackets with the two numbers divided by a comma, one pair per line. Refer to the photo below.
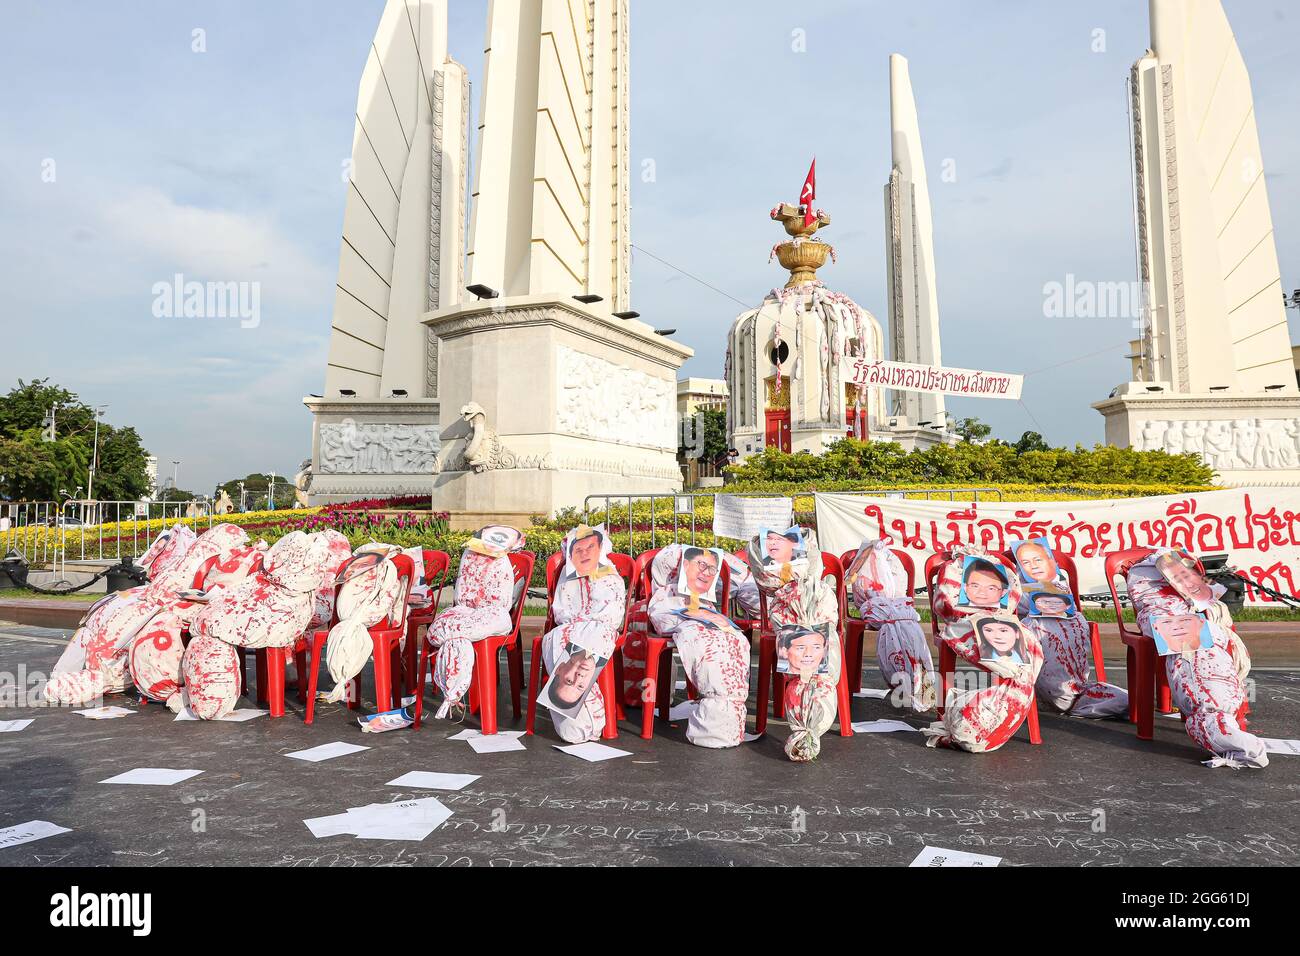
[1066,564]
[769,676]
[611,676]
[387,638]
[436,566]
[483,683]
[747,624]
[656,661]
[854,627]
[948,658]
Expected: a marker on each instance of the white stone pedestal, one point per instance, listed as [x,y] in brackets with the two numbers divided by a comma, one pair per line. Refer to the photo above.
[1246,439]
[545,400]
[372,448]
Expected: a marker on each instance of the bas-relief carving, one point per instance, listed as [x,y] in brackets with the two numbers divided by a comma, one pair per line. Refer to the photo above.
[598,399]
[370,448]
[471,444]
[1228,444]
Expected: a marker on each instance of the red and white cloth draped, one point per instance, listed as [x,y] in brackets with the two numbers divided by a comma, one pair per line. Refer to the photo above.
[484,596]
[338,552]
[877,581]
[982,717]
[154,661]
[371,592]
[743,591]
[714,654]
[808,599]
[1208,686]
[273,607]
[588,612]
[95,662]
[210,669]
[1065,680]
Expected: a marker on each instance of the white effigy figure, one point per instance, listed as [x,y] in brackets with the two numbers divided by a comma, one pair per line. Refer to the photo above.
[271,608]
[95,661]
[877,582]
[485,593]
[976,587]
[370,591]
[1207,684]
[787,566]
[1047,609]
[713,651]
[155,654]
[588,609]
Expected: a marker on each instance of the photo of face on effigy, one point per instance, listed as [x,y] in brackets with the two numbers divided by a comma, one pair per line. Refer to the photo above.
[984,583]
[1181,634]
[699,574]
[782,547]
[501,538]
[803,650]
[1181,573]
[586,553]
[1049,602]
[1001,638]
[574,676]
[1035,560]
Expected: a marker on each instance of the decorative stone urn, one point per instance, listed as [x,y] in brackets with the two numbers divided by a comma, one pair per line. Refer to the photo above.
[803,255]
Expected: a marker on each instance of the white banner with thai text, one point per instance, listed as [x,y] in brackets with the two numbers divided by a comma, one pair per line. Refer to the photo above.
[932,378]
[1258,528]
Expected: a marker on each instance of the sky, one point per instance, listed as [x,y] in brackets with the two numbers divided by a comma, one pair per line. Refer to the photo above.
[133,148]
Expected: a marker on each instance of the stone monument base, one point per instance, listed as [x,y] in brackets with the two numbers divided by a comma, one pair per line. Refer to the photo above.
[372,448]
[546,400]
[1246,439]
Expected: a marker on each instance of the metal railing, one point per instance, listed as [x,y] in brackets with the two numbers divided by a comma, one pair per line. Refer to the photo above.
[674,515]
[53,533]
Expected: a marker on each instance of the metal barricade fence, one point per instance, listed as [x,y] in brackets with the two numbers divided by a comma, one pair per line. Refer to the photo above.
[650,515]
[47,532]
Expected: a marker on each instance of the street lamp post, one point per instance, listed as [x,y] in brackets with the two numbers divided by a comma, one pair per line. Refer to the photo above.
[94,458]
[270,494]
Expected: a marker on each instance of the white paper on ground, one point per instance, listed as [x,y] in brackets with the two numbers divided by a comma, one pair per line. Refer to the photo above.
[934,856]
[13,726]
[326,752]
[429,780]
[871,692]
[407,820]
[153,776]
[496,744]
[105,713]
[881,726]
[1277,745]
[234,717]
[593,752]
[750,738]
[683,711]
[471,734]
[29,831]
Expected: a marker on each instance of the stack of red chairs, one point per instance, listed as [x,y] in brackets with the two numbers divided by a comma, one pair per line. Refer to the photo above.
[487,657]
[768,675]
[611,676]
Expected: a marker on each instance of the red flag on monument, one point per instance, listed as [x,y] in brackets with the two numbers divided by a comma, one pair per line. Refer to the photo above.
[809,194]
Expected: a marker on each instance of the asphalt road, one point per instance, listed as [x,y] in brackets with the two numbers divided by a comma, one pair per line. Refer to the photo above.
[1091,795]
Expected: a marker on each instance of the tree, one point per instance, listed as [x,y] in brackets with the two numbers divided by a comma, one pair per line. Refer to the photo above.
[1031,441]
[255,489]
[972,429]
[35,468]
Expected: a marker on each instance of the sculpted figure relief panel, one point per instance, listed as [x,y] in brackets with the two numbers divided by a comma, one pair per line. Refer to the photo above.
[1230,444]
[599,399]
[370,448]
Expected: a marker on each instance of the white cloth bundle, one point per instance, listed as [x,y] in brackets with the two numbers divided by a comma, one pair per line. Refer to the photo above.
[370,593]
[714,653]
[1207,685]
[878,582]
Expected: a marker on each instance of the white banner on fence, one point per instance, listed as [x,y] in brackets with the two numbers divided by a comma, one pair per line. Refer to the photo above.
[1259,528]
[932,378]
[738,517]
